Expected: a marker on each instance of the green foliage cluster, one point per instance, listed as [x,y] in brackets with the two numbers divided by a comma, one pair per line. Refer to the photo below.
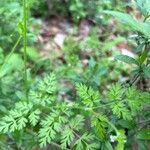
[98,114]
[51,120]
[9,12]
[11,15]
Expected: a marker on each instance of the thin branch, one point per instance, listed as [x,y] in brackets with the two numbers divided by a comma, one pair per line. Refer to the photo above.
[25,46]
[134,80]
[10,54]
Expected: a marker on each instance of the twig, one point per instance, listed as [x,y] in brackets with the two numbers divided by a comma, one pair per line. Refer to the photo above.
[10,54]
[134,80]
[25,47]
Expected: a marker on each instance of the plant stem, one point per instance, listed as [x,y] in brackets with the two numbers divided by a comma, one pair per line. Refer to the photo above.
[57,145]
[9,55]
[25,47]
[90,108]
[134,80]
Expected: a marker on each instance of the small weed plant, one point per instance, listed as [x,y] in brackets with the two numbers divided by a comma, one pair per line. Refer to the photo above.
[94,120]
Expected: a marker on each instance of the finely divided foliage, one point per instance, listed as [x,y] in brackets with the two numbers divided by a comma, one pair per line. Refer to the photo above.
[87,94]
[95,119]
[52,122]
[58,120]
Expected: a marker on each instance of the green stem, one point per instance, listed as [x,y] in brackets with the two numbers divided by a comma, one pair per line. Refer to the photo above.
[94,113]
[115,129]
[9,55]
[25,47]
[91,108]
[147,16]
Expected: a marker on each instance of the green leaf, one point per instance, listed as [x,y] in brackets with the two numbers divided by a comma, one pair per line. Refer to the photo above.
[129,124]
[51,125]
[32,54]
[144,134]
[143,28]
[88,95]
[126,59]
[133,99]
[84,143]
[146,71]
[143,6]
[77,122]
[15,62]
[16,118]
[121,139]
[142,145]
[46,135]
[115,92]
[106,146]
[48,84]
[100,123]
[119,109]
[21,123]
[67,137]
[34,117]
[139,48]
[143,57]
[45,91]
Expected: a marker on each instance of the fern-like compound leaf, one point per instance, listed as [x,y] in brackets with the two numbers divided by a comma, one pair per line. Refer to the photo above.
[67,137]
[34,117]
[100,124]
[87,94]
